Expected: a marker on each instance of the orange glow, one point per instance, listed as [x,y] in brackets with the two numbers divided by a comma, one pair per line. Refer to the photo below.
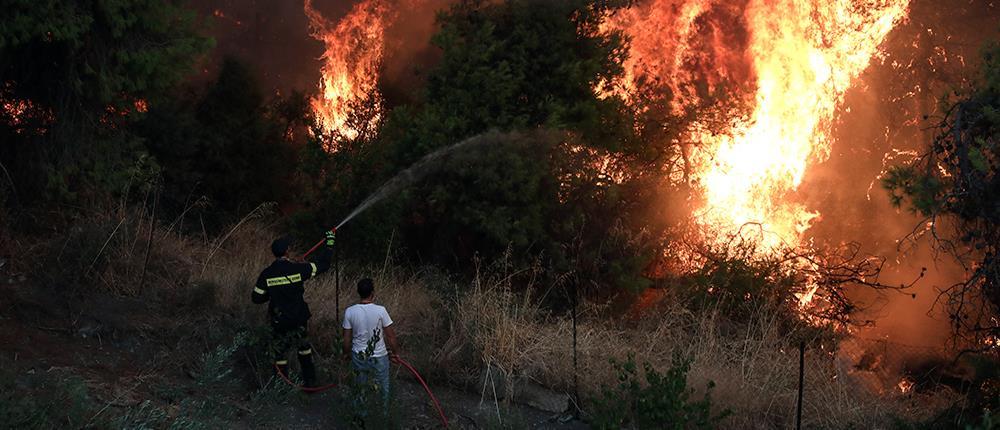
[15,110]
[801,57]
[805,59]
[354,48]
[905,386]
[679,44]
[796,59]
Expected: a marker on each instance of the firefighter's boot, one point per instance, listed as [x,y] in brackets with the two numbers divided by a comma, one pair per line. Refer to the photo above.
[308,368]
[281,368]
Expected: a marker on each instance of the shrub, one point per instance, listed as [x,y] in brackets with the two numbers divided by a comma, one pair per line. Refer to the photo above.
[113,252]
[664,401]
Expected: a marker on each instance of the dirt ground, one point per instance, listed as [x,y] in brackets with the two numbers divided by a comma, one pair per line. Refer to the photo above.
[463,410]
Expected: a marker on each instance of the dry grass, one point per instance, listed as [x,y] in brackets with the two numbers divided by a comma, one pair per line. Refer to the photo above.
[754,367]
[455,330]
[497,321]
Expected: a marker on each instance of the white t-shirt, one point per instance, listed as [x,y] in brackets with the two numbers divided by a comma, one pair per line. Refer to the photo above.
[364,319]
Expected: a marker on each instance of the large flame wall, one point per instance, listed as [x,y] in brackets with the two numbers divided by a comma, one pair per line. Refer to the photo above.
[815,79]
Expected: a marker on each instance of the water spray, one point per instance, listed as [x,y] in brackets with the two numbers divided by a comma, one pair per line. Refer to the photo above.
[407,177]
[419,170]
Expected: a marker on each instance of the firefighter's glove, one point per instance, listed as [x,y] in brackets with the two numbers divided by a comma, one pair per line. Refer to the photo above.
[330,239]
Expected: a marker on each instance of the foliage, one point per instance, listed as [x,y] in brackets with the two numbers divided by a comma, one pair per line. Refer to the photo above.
[364,404]
[738,285]
[76,75]
[205,404]
[582,196]
[955,186]
[739,282]
[226,144]
[664,401]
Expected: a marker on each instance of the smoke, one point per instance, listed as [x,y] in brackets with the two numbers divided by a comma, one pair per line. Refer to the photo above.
[409,53]
[273,37]
[889,114]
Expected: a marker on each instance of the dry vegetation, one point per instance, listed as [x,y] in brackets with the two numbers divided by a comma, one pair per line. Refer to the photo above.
[453,330]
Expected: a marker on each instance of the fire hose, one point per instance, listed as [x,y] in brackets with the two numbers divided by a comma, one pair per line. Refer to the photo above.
[302,387]
[397,359]
[317,245]
[437,406]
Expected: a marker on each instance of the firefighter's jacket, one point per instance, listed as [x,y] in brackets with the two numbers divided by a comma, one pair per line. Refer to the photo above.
[281,284]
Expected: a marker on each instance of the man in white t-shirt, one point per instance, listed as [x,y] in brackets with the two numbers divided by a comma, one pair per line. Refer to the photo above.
[367,327]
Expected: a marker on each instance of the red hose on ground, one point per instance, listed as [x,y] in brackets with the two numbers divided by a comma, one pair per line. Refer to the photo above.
[437,406]
[444,419]
[303,388]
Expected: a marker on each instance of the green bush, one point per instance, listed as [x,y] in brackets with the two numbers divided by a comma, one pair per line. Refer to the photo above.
[206,404]
[585,194]
[954,183]
[83,69]
[663,401]
[228,136]
[362,404]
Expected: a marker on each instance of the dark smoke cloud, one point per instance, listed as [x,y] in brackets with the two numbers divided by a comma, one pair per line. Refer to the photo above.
[409,54]
[273,36]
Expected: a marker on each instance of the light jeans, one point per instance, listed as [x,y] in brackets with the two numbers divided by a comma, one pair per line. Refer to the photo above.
[373,367]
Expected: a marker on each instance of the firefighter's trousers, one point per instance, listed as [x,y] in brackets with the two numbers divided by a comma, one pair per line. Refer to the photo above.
[284,338]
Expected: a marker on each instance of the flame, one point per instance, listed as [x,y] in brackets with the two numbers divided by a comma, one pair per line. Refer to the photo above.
[351,63]
[805,57]
[681,45]
[24,116]
[796,59]
[905,385]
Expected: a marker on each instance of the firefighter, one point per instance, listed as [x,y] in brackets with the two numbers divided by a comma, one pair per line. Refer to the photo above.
[281,286]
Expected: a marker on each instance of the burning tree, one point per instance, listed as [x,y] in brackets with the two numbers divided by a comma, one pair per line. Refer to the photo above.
[955,185]
[350,73]
[520,66]
[797,58]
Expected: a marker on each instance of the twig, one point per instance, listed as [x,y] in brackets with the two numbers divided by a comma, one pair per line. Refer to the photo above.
[112,402]
[388,253]
[149,238]
[496,401]
[230,233]
[106,242]
[9,179]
